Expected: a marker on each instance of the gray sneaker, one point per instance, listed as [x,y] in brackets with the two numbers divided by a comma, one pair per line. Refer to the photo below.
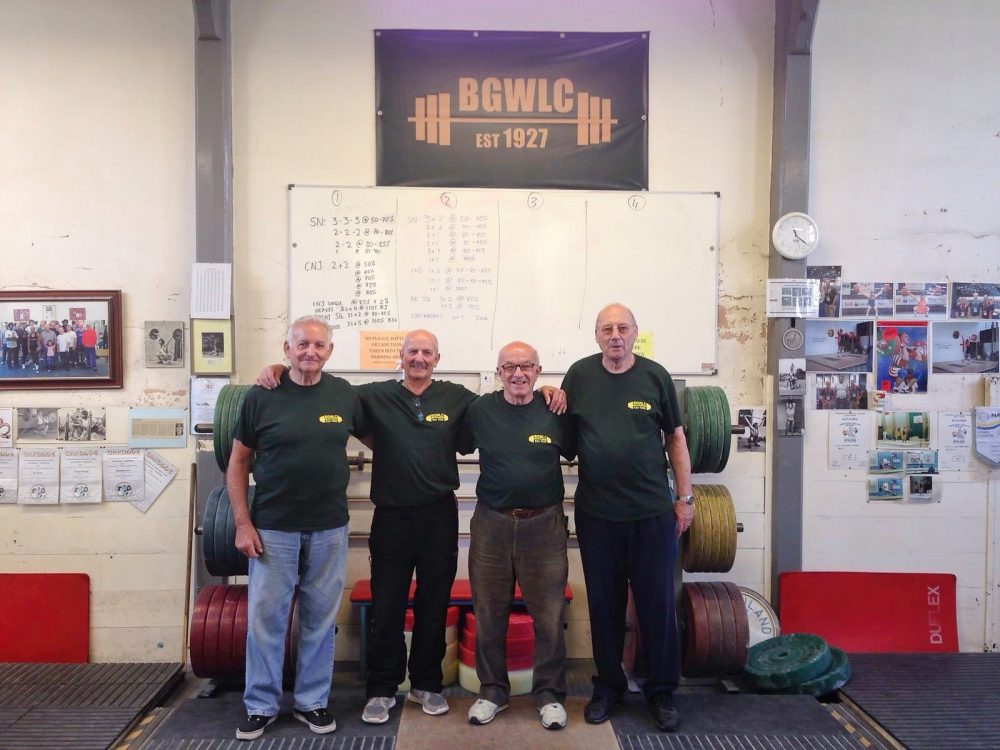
[433,703]
[377,710]
[484,711]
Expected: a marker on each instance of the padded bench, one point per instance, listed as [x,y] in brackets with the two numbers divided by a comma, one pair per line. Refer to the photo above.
[461,596]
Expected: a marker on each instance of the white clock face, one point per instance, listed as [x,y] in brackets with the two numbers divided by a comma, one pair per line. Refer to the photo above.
[795,235]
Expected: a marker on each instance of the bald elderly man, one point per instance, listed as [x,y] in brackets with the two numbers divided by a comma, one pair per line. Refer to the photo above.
[623,408]
[519,533]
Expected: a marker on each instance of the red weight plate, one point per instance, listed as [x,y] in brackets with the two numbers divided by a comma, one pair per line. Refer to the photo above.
[213,620]
[226,625]
[695,652]
[197,637]
[240,632]
[727,647]
[742,643]
[716,641]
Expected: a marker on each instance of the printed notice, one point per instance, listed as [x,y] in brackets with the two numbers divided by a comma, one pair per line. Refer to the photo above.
[124,469]
[204,394]
[38,476]
[80,475]
[156,428]
[159,473]
[644,344]
[988,434]
[8,476]
[955,441]
[850,435]
[792,298]
[211,285]
[380,349]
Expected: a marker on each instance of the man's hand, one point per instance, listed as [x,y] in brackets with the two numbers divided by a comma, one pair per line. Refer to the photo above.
[684,514]
[555,398]
[248,542]
[270,377]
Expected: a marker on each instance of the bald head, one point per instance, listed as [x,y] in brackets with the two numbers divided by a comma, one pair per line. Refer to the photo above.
[518,349]
[517,368]
[616,332]
[616,309]
[421,337]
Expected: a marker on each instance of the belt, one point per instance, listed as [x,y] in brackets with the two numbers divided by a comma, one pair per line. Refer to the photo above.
[521,514]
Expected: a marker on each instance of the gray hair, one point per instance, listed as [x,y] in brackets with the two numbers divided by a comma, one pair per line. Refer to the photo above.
[308,320]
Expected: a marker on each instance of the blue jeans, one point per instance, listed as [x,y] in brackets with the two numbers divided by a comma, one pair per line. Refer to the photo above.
[318,559]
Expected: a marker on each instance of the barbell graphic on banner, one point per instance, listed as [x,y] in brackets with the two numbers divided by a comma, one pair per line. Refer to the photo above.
[432,119]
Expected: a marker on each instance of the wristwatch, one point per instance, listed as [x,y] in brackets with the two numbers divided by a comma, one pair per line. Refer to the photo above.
[689,499]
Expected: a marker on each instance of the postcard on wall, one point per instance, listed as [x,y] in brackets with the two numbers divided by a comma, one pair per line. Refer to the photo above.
[792,417]
[921,299]
[829,289]
[960,347]
[164,343]
[80,475]
[971,299]
[850,434]
[955,441]
[8,476]
[157,428]
[792,376]
[123,470]
[792,298]
[866,299]
[887,487]
[842,391]
[754,424]
[6,428]
[838,346]
[903,429]
[38,476]
[159,473]
[920,462]
[77,424]
[924,489]
[902,356]
[37,424]
[885,462]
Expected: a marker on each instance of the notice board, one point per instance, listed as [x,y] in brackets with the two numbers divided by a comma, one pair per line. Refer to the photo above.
[481,268]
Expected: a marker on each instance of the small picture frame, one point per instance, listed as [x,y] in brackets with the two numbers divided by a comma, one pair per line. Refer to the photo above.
[211,347]
[163,343]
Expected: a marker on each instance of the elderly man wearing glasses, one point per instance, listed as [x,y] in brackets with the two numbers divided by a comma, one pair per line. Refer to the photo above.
[519,533]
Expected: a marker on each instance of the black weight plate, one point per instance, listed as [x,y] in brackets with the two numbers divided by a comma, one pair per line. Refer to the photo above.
[208,531]
[219,537]
[833,679]
[788,660]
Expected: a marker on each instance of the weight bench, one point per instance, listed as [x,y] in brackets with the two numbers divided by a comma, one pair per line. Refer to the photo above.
[461,596]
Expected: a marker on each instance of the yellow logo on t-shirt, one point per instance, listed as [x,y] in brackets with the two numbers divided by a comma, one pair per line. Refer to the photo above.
[327,418]
[436,417]
[539,439]
[640,406]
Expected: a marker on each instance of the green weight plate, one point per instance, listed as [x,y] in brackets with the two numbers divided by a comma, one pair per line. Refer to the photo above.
[788,660]
[706,435]
[833,679]
[692,417]
[217,439]
[714,436]
[208,530]
[727,434]
[241,396]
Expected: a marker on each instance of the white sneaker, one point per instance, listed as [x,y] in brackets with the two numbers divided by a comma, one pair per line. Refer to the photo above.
[484,711]
[553,715]
[377,710]
[433,703]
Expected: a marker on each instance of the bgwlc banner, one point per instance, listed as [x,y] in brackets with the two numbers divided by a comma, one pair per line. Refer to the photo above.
[512,109]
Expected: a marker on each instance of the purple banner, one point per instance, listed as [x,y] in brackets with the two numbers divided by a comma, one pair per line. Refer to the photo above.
[512,109]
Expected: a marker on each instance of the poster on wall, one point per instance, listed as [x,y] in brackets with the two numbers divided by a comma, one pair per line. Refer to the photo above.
[866,299]
[512,109]
[902,360]
[829,289]
[921,299]
[959,347]
[838,346]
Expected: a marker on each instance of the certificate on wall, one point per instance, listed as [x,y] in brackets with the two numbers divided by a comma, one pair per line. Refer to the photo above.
[8,476]
[38,476]
[6,428]
[792,298]
[123,470]
[159,473]
[850,435]
[80,475]
[955,441]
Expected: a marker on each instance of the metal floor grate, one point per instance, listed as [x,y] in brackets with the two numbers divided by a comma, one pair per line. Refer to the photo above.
[736,742]
[277,743]
[931,701]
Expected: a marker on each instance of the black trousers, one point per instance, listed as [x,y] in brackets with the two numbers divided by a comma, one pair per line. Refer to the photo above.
[404,540]
[614,554]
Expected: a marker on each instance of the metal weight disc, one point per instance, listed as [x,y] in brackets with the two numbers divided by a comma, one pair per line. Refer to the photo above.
[694,654]
[788,660]
[217,435]
[761,618]
[727,648]
[727,441]
[833,679]
[692,419]
[727,531]
[693,537]
[742,641]
[716,630]
[236,406]
[228,621]
[197,638]
[712,431]
[213,623]
[704,464]
[219,537]
[208,530]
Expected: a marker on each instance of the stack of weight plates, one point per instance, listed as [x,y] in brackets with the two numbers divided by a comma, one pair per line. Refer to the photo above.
[219,634]
[227,412]
[710,543]
[708,428]
[715,631]
[449,664]
[520,654]
[798,663]
[218,536]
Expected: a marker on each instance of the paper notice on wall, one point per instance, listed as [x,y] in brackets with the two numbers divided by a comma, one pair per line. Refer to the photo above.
[8,476]
[955,441]
[644,344]
[988,434]
[159,472]
[38,476]
[124,469]
[204,394]
[211,285]
[850,437]
[380,349]
[80,475]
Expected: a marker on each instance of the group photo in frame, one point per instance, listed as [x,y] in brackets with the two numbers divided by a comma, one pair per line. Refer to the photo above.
[61,339]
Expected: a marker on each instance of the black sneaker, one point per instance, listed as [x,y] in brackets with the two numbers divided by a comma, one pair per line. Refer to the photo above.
[664,713]
[253,726]
[599,709]
[319,720]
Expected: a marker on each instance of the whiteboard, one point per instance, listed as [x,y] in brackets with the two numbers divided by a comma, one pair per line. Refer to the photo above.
[480,268]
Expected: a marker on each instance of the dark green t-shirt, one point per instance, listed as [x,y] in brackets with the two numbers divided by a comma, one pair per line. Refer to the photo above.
[414,440]
[519,449]
[299,433]
[617,421]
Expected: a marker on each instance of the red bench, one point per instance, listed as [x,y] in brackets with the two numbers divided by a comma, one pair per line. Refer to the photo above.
[461,595]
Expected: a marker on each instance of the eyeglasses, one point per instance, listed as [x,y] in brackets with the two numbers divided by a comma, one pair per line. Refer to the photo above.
[420,411]
[510,368]
[622,328]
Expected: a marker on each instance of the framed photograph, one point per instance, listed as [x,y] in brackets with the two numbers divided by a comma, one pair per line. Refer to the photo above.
[57,339]
[163,343]
[211,347]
